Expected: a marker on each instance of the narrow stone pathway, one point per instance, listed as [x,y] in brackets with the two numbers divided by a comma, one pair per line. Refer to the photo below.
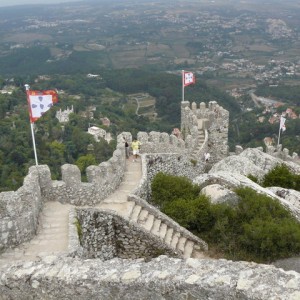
[118,200]
[51,238]
[52,234]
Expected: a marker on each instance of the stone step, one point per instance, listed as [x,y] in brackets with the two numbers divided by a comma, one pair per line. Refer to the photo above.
[135,213]
[162,230]
[181,243]
[156,226]
[143,216]
[149,222]
[188,249]
[175,240]
[168,237]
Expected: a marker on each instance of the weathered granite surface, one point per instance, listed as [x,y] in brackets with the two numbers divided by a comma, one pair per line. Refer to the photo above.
[161,278]
[220,194]
[252,161]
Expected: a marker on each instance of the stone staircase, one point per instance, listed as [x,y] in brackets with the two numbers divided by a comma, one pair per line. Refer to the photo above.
[160,225]
[201,139]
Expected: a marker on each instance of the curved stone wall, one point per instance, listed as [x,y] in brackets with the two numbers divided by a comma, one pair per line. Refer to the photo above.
[214,119]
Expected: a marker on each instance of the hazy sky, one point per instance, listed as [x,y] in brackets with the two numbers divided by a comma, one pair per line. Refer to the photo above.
[21,2]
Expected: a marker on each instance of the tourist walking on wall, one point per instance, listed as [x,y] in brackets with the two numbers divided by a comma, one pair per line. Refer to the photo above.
[135,145]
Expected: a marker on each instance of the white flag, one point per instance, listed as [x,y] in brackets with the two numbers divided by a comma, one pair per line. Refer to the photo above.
[282,123]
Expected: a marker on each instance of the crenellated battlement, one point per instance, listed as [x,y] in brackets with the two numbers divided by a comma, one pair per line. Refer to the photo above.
[20,209]
[210,120]
[157,142]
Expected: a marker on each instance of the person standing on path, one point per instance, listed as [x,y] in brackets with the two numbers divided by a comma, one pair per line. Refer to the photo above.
[206,157]
[135,145]
[126,148]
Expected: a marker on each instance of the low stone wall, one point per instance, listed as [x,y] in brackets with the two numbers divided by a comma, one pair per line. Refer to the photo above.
[106,235]
[19,211]
[169,163]
[161,278]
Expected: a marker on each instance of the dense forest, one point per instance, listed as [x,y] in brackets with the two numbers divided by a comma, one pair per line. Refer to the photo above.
[108,94]
[289,94]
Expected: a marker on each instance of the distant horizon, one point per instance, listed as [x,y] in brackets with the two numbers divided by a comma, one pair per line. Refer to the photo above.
[10,3]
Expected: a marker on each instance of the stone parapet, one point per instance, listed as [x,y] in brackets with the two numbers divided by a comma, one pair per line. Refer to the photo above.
[19,211]
[156,142]
[161,278]
[169,163]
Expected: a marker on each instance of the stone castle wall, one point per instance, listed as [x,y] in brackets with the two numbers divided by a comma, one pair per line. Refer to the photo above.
[161,278]
[20,210]
[106,235]
[102,181]
[168,163]
[214,119]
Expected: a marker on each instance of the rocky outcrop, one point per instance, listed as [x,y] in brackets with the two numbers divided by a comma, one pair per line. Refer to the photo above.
[292,196]
[219,194]
[252,162]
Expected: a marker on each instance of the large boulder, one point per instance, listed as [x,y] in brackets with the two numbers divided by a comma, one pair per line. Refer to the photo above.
[252,162]
[219,194]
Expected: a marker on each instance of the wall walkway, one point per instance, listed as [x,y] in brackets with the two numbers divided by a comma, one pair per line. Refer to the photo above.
[52,236]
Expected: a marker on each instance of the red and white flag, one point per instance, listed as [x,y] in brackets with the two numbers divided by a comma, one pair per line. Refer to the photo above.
[188,78]
[282,123]
[39,102]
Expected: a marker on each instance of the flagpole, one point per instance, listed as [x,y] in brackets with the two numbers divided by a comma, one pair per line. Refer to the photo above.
[278,136]
[32,130]
[182,75]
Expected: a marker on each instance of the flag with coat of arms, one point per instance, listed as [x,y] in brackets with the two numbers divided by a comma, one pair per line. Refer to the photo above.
[188,78]
[40,102]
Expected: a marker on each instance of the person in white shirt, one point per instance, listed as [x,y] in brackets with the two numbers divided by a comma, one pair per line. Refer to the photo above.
[206,157]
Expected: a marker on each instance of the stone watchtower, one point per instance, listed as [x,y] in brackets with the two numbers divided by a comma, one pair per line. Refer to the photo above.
[208,125]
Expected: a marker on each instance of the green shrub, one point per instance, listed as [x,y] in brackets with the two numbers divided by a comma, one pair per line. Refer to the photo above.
[283,177]
[253,205]
[271,239]
[193,214]
[166,188]
[253,178]
[258,228]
